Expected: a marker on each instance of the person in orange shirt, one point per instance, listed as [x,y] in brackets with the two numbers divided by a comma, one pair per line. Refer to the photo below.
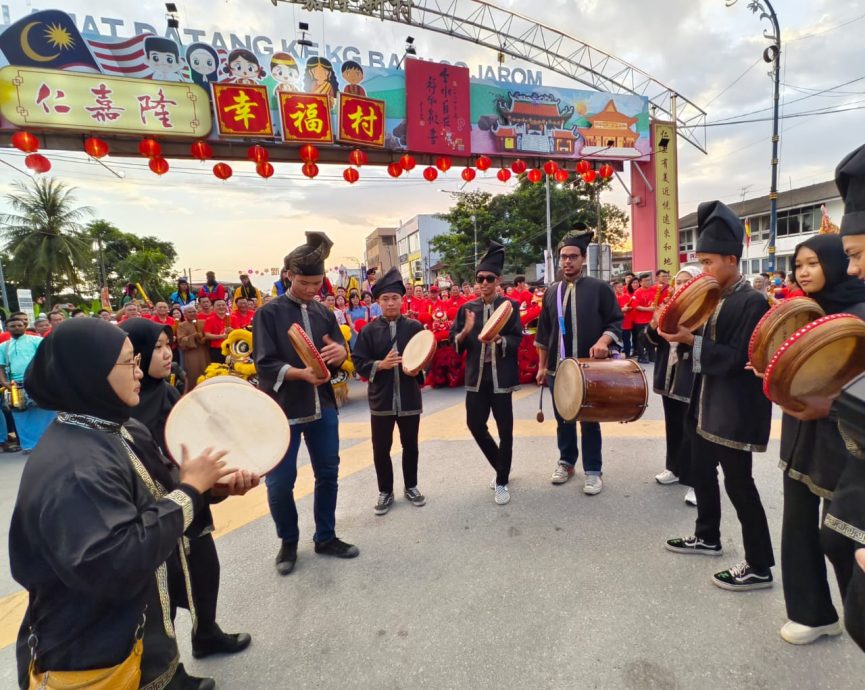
[242,317]
[216,327]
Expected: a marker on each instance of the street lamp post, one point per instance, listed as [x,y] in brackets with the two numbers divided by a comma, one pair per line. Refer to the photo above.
[548,263]
[771,55]
[475,223]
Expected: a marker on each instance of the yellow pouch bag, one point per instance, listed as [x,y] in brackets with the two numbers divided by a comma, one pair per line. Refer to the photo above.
[125,676]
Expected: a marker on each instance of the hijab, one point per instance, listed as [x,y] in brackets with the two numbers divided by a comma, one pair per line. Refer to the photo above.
[70,370]
[693,271]
[156,398]
[841,291]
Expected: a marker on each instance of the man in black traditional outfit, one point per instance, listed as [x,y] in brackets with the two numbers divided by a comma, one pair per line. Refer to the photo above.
[394,397]
[580,318]
[307,400]
[728,411]
[491,368]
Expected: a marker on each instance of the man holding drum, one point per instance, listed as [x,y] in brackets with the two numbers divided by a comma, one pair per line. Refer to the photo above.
[729,417]
[306,398]
[491,366]
[580,318]
[394,396]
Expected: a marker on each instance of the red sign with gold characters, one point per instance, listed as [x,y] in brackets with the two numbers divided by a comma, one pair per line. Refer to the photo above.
[361,120]
[241,110]
[305,117]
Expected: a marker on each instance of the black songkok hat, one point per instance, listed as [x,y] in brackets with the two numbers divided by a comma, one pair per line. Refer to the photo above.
[308,259]
[850,179]
[719,230]
[493,260]
[390,282]
[579,236]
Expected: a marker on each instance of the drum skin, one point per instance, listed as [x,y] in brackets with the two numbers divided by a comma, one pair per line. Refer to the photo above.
[778,324]
[418,352]
[307,351]
[691,305]
[817,360]
[600,390]
[496,322]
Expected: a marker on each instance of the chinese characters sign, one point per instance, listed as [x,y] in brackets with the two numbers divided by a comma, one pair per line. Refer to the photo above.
[34,97]
[242,111]
[438,108]
[666,196]
[305,118]
[361,120]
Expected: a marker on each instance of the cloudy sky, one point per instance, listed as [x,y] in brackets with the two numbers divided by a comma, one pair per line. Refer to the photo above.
[697,47]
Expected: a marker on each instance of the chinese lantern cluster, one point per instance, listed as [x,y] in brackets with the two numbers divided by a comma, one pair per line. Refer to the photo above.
[309,155]
[29,144]
[95,147]
[150,149]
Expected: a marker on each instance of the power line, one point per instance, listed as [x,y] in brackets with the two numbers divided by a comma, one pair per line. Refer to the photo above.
[735,81]
[827,30]
[812,113]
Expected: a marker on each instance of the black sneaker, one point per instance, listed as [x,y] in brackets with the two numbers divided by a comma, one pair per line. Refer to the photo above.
[693,545]
[385,501]
[219,642]
[286,558]
[415,497]
[742,577]
[183,681]
[336,547]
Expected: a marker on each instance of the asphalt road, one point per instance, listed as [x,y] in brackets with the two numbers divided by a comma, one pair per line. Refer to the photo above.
[555,590]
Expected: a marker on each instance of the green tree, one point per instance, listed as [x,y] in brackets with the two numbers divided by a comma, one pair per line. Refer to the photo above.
[43,236]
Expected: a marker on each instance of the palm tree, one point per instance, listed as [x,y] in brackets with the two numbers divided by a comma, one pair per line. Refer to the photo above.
[42,235]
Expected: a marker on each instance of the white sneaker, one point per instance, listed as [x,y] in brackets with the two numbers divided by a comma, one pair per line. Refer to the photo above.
[796,633]
[562,473]
[666,477]
[691,498]
[503,496]
[593,484]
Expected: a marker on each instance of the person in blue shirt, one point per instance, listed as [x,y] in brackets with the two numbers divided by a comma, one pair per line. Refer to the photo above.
[183,295]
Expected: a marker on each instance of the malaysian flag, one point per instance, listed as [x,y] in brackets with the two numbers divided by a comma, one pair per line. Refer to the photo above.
[124,58]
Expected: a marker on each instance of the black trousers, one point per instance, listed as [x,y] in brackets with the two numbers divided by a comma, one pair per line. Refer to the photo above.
[743,494]
[678,441]
[803,546]
[203,563]
[643,347]
[216,356]
[478,408]
[382,440]
[854,606]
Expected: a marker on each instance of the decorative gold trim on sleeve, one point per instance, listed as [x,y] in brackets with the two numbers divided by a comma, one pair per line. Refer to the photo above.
[182,499]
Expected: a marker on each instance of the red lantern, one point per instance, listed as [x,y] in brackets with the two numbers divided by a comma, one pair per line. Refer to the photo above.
[483,163]
[589,176]
[95,147]
[430,174]
[350,175]
[159,165]
[583,167]
[518,166]
[535,175]
[443,163]
[468,174]
[26,142]
[264,169]
[407,162]
[149,148]
[310,169]
[37,163]
[201,150]
[606,171]
[504,174]
[551,168]
[308,153]
[358,157]
[561,175]
[394,170]
[222,170]
[257,154]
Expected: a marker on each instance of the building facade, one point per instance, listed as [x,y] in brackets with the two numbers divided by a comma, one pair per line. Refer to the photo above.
[414,253]
[380,252]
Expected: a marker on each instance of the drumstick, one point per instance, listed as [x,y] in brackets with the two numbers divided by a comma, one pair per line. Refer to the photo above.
[540,415]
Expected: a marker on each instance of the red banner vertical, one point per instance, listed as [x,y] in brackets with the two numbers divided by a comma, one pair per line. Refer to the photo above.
[438,111]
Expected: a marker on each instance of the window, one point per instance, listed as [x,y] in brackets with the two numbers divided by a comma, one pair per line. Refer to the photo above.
[686,240]
[755,266]
[414,242]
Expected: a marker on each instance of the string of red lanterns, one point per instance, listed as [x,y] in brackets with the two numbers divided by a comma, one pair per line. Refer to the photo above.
[264,169]
[95,147]
[223,171]
[37,163]
[407,162]
[25,142]
[149,148]
[257,154]
[350,175]
[158,165]
[430,174]
[201,150]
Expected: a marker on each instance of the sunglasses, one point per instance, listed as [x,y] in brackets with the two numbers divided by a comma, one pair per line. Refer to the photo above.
[488,279]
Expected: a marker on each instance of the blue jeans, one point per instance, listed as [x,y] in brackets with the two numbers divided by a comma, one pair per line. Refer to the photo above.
[322,442]
[566,436]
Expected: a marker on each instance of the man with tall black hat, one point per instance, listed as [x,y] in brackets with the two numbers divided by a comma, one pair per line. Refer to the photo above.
[394,397]
[491,368]
[580,317]
[728,417]
[307,400]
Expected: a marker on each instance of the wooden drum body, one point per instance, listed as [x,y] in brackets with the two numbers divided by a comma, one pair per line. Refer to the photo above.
[418,352]
[496,322]
[691,305]
[777,325]
[307,351]
[600,390]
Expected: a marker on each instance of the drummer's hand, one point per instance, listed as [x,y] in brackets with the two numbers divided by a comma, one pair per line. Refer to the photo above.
[203,471]
[470,322]
[393,359]
[333,353]
[599,350]
[815,407]
[750,367]
[541,377]
[860,558]
[242,481]
[497,339]
[683,335]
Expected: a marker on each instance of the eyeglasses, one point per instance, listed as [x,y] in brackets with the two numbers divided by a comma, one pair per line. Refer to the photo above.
[136,362]
[570,257]
[488,279]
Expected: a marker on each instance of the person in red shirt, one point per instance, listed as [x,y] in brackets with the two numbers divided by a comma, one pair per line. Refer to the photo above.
[216,327]
[644,307]
[416,307]
[212,289]
[662,286]
[161,316]
[625,300]
[522,294]
[242,317]
[130,311]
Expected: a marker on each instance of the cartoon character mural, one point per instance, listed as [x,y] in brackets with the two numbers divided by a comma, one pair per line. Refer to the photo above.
[242,67]
[320,78]
[204,63]
[163,58]
[285,72]
[352,74]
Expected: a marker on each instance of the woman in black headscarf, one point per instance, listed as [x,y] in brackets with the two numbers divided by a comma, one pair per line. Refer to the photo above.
[813,456]
[151,341]
[91,531]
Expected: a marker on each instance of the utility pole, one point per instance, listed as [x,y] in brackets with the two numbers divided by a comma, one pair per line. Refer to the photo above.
[548,262]
[600,261]
[475,223]
[3,287]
